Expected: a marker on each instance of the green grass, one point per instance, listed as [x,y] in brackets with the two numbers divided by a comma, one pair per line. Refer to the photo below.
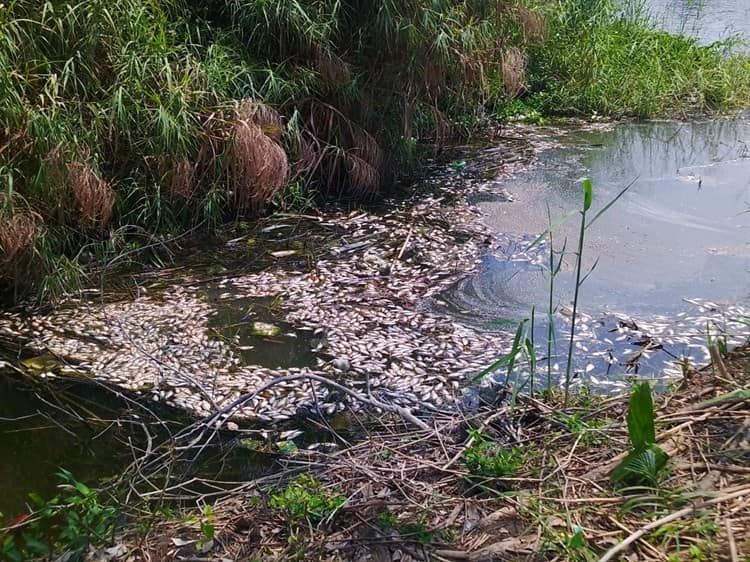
[613,62]
[138,116]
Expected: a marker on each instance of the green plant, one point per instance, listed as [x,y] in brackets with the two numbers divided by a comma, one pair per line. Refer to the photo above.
[587,191]
[306,499]
[522,353]
[386,520]
[488,458]
[608,58]
[646,460]
[70,522]
[418,531]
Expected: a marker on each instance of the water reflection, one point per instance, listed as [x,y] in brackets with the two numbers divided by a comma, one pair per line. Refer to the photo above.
[682,231]
[708,20]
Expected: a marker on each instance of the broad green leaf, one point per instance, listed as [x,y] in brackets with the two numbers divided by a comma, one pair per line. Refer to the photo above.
[37,499]
[641,466]
[588,191]
[83,489]
[35,545]
[641,417]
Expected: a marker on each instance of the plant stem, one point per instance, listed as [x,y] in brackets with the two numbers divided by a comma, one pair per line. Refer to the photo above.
[579,264]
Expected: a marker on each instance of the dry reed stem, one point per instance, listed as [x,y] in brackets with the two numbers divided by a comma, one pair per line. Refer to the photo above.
[364,178]
[513,71]
[94,197]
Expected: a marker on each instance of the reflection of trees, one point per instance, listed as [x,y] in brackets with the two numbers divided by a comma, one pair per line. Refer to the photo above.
[709,20]
[656,150]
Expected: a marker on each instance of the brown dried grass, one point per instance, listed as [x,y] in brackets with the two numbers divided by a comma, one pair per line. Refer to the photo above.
[333,71]
[262,115]
[533,24]
[340,152]
[182,180]
[367,148]
[434,77]
[258,166]
[94,197]
[513,71]
[364,178]
[18,232]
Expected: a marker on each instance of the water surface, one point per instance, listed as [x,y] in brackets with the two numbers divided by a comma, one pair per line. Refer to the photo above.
[672,255]
[707,20]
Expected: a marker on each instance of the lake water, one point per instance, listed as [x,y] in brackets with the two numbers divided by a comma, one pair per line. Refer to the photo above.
[708,20]
[671,256]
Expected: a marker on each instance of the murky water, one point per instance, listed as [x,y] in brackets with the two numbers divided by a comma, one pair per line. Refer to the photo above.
[94,434]
[672,255]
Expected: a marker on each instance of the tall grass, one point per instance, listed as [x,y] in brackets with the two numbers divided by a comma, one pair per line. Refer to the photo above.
[176,114]
[166,115]
[607,57]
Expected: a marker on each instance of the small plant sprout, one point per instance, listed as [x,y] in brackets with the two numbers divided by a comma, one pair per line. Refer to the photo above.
[646,460]
[306,499]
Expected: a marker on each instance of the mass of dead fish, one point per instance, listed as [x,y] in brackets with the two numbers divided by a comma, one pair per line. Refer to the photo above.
[361,299]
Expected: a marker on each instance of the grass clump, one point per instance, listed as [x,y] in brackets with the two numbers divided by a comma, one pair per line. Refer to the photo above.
[608,59]
[305,499]
[136,116]
[487,458]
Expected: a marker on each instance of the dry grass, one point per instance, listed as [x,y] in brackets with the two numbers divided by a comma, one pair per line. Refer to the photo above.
[533,24]
[444,130]
[342,153]
[364,178]
[262,115]
[333,71]
[258,165]
[94,197]
[435,509]
[513,71]
[182,179]
[434,77]
[17,233]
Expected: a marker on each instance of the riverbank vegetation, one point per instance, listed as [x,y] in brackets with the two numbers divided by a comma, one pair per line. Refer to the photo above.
[126,122]
[603,478]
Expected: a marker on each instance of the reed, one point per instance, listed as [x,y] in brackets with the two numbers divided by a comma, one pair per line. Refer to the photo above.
[169,115]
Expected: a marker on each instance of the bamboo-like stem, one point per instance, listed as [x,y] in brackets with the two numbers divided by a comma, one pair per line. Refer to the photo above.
[579,264]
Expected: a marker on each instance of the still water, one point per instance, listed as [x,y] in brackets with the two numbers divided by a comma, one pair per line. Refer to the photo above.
[671,256]
[707,20]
